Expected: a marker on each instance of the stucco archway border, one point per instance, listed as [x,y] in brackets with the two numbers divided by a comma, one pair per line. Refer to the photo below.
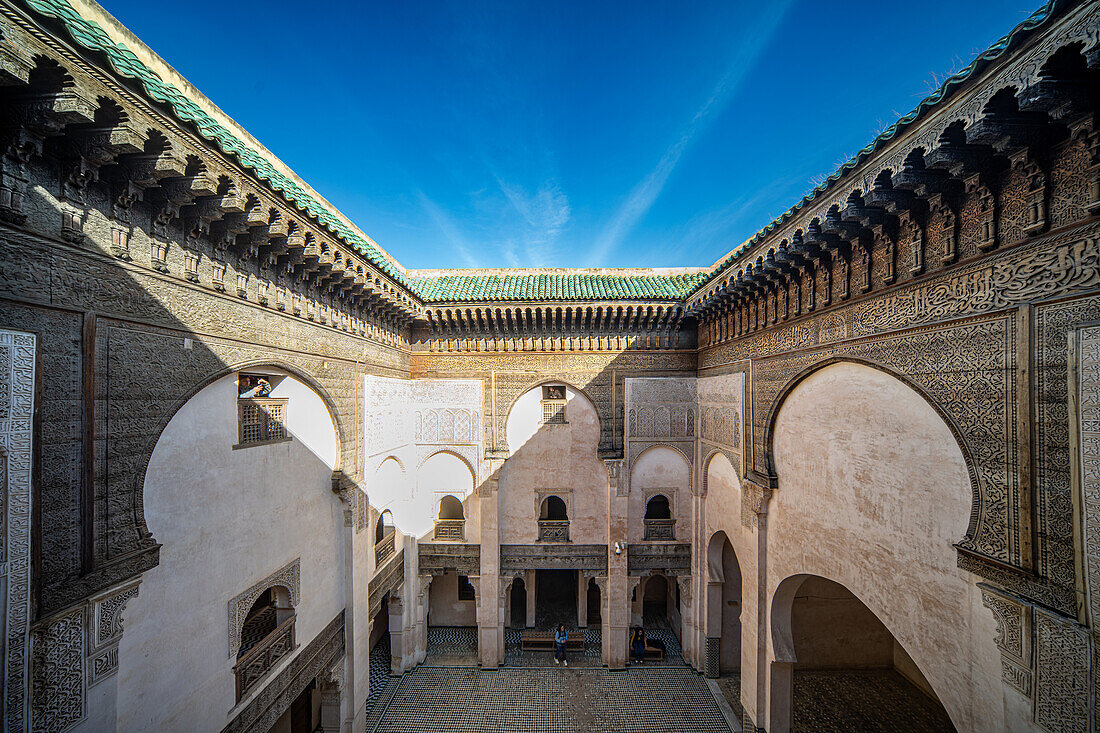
[445,451]
[689,461]
[704,465]
[291,369]
[793,382]
[520,391]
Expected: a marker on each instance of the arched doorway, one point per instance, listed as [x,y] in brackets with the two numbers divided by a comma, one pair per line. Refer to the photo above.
[380,654]
[518,604]
[450,508]
[655,601]
[553,508]
[723,609]
[278,475]
[838,668]
[658,507]
[595,614]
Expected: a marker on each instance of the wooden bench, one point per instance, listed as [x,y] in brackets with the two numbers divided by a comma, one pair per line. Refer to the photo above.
[654,651]
[544,641]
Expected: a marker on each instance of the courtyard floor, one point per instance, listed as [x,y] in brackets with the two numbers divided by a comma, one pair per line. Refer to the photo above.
[870,701]
[556,700]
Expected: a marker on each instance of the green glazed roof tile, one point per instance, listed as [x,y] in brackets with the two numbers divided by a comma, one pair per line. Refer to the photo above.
[477,286]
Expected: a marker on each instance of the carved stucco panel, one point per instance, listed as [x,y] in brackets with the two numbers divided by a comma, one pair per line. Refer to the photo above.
[58,692]
[17,361]
[968,371]
[289,576]
[1061,674]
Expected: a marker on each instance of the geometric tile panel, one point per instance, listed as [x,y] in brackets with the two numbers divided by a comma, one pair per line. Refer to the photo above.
[558,700]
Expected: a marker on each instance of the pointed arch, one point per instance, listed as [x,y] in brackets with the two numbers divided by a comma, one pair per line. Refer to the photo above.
[793,382]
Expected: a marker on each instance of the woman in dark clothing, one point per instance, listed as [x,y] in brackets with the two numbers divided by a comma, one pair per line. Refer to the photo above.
[560,637]
[637,644]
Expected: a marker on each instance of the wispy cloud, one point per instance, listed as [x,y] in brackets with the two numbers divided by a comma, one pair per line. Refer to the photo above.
[711,234]
[645,193]
[544,213]
[449,229]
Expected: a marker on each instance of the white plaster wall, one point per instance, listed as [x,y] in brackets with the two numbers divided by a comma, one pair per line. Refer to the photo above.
[444,474]
[873,491]
[553,458]
[723,513]
[445,608]
[227,519]
[410,420]
[666,469]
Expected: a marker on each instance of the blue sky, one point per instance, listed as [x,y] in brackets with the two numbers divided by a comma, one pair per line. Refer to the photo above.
[561,133]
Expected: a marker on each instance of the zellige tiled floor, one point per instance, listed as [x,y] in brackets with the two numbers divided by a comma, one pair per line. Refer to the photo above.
[554,700]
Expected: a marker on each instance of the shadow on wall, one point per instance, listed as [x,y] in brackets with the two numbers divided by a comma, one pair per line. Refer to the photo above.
[237,517]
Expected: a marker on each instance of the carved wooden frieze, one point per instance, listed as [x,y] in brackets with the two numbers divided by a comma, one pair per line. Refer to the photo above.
[438,557]
[1059,264]
[387,580]
[515,558]
[667,558]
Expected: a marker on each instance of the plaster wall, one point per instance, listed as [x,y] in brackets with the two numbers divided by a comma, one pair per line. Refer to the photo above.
[445,474]
[227,519]
[873,475]
[722,508]
[553,459]
[833,630]
[411,421]
[730,650]
[660,470]
[446,609]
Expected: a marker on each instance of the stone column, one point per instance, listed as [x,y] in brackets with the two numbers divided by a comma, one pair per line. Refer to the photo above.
[582,600]
[423,599]
[755,664]
[617,618]
[530,584]
[397,635]
[489,621]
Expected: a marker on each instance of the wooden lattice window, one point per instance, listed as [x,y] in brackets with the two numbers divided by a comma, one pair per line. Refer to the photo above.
[553,404]
[261,420]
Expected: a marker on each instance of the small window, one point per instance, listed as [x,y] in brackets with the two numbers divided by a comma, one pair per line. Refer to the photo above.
[260,417]
[465,589]
[553,404]
[261,420]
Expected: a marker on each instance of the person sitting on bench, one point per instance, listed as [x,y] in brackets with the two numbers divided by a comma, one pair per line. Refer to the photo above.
[637,644]
[560,638]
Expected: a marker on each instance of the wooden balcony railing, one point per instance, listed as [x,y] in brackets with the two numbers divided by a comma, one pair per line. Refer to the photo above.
[553,530]
[383,550]
[660,529]
[262,658]
[450,529]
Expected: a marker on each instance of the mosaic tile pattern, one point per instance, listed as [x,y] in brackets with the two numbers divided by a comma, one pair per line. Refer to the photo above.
[452,645]
[730,685]
[451,700]
[380,684]
[869,701]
